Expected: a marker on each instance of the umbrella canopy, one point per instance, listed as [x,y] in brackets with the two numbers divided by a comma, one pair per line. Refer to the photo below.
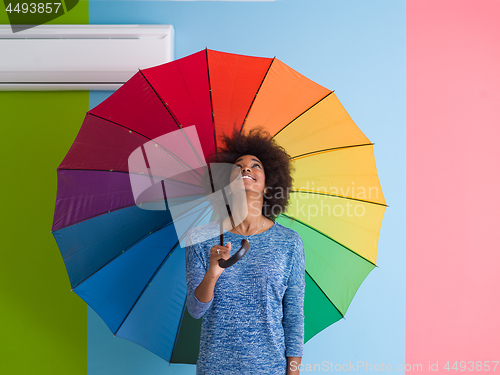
[125,257]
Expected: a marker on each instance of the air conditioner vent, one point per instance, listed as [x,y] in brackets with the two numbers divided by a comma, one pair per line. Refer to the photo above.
[80,57]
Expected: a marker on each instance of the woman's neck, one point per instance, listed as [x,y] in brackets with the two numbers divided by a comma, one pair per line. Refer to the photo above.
[250,224]
[247,215]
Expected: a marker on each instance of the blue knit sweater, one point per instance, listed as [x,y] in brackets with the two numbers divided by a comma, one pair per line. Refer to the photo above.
[255,318]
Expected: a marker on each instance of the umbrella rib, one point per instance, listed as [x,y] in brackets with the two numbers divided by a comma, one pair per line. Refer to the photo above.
[114,171]
[327,236]
[323,98]
[123,207]
[213,122]
[161,101]
[159,267]
[179,160]
[161,226]
[312,153]
[178,328]
[322,291]
[256,93]
[182,318]
[179,125]
[211,103]
[94,216]
[171,113]
[337,196]
[118,124]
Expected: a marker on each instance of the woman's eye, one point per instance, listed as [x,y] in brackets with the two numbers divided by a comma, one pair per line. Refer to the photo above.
[253,166]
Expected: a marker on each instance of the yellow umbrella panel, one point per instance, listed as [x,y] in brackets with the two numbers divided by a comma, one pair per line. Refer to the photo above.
[336,205]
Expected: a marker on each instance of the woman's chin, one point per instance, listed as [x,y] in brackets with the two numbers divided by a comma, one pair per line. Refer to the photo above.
[254,193]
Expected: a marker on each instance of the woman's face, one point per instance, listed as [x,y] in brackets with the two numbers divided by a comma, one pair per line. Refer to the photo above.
[252,173]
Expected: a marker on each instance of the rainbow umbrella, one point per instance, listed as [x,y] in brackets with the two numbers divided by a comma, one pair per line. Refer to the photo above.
[128,262]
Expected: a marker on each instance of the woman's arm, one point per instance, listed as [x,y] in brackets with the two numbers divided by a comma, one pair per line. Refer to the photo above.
[292,365]
[205,291]
[293,308]
[195,271]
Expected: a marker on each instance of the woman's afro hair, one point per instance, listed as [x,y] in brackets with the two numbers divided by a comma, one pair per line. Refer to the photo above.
[274,158]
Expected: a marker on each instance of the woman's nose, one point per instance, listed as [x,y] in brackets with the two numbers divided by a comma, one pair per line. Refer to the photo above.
[246,169]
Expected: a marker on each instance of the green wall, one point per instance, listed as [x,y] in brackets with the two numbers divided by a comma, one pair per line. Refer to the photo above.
[43,325]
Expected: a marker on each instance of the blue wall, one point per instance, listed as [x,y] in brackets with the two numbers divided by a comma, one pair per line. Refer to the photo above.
[355,47]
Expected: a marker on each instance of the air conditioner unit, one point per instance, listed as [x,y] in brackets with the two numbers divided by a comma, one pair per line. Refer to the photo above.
[80,57]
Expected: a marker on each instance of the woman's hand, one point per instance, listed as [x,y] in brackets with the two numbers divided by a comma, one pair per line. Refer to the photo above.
[205,291]
[216,253]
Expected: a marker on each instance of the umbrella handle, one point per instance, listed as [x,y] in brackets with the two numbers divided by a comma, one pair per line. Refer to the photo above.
[237,256]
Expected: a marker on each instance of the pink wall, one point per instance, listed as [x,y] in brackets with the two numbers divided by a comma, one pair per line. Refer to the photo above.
[453,183]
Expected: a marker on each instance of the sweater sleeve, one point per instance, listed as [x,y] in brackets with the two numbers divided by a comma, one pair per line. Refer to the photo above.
[195,271]
[293,304]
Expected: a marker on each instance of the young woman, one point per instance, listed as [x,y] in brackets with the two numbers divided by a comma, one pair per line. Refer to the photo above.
[253,320]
